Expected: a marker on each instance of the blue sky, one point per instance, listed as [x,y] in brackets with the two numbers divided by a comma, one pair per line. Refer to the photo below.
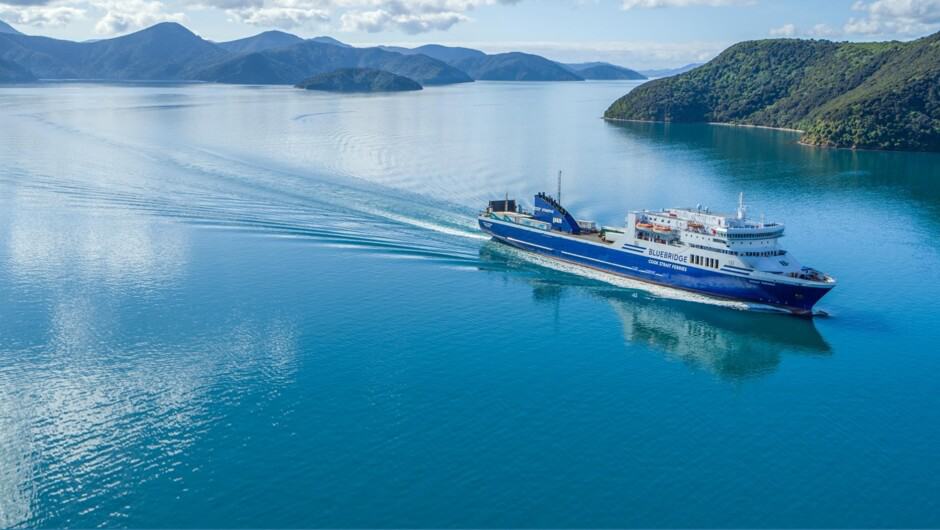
[635,33]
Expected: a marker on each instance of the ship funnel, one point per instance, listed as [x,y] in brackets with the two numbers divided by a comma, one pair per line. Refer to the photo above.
[742,209]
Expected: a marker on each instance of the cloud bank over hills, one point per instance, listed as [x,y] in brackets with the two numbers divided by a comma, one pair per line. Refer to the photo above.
[117,16]
[640,33]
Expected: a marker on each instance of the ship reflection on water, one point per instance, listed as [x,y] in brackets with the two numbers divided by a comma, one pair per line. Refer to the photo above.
[730,343]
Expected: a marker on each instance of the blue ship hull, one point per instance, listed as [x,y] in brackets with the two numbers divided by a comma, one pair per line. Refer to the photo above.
[633,261]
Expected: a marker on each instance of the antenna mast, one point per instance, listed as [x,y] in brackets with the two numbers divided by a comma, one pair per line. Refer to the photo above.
[559,187]
[741,205]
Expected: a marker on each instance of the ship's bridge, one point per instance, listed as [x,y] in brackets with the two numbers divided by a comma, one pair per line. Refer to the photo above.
[700,228]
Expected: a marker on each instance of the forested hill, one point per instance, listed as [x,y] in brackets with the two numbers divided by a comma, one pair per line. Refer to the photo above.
[862,95]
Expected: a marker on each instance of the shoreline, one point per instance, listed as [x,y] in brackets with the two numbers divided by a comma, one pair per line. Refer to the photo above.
[785,129]
[724,124]
[747,125]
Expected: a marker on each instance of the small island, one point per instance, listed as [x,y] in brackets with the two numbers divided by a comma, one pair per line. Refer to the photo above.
[359,80]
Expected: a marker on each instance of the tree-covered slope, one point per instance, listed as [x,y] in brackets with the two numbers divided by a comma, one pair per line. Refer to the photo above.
[864,95]
[515,66]
[163,51]
[448,54]
[166,51]
[268,40]
[11,72]
[359,80]
[897,107]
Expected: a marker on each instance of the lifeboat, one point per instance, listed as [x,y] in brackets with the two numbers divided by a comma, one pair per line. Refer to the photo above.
[662,229]
[644,226]
[695,226]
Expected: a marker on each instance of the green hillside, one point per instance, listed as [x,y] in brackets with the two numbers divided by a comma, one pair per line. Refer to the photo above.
[860,95]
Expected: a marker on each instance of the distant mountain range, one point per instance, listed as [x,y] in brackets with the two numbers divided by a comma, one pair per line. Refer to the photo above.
[169,51]
[667,72]
[448,54]
[294,63]
[517,66]
[6,28]
[261,42]
[879,95]
[359,80]
[163,52]
[330,40]
[604,71]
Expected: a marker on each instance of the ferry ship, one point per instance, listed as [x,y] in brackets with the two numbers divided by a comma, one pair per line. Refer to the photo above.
[731,257]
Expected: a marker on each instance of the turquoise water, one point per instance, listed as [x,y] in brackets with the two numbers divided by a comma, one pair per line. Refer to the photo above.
[253,307]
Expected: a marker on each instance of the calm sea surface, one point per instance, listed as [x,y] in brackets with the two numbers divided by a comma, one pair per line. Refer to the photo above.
[251,307]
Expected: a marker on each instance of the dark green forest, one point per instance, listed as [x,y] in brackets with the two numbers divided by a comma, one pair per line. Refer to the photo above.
[883,95]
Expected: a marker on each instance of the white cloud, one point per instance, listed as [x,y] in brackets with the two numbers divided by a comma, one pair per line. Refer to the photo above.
[650,4]
[818,31]
[52,15]
[113,16]
[278,17]
[409,16]
[898,17]
[123,15]
[823,31]
[786,30]
[381,20]
[117,16]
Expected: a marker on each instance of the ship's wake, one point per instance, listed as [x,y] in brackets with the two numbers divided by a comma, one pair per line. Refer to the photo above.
[218,189]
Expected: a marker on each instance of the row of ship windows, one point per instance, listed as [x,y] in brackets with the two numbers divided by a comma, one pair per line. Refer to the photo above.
[753,236]
[765,253]
[704,261]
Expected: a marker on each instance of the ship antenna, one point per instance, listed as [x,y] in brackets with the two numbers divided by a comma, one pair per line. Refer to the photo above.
[506,204]
[741,205]
[559,186]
